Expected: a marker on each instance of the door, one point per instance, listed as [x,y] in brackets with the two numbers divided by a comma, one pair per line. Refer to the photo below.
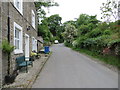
[27,47]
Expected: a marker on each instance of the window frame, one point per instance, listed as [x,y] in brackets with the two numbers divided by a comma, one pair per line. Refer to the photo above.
[34,44]
[20,50]
[33,18]
[20,9]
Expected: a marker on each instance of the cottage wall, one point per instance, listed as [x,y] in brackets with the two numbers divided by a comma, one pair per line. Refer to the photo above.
[24,21]
[0,45]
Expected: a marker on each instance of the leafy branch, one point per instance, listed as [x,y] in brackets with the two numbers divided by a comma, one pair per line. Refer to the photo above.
[110,10]
[40,5]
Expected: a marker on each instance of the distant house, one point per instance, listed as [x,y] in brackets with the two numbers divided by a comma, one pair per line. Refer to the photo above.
[19,26]
[40,43]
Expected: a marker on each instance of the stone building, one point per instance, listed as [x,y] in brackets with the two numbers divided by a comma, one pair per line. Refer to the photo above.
[19,27]
[40,43]
[0,48]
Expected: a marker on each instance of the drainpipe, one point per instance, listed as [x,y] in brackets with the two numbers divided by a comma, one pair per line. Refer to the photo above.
[8,36]
[8,24]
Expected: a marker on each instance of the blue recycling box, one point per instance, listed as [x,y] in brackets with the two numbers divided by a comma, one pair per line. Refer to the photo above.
[46,49]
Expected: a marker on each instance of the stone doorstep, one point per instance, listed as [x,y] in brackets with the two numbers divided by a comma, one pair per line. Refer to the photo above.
[22,80]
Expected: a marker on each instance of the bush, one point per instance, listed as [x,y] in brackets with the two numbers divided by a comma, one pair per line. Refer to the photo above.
[67,44]
[83,29]
[107,32]
[70,33]
[89,43]
[7,47]
[47,43]
[94,33]
[79,42]
[95,44]
[116,45]
[117,50]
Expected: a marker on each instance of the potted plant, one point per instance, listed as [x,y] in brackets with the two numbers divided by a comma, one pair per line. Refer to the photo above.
[7,48]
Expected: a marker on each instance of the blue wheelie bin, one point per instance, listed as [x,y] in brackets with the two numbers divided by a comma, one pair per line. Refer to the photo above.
[46,49]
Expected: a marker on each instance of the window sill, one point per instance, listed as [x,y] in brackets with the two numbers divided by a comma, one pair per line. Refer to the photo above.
[18,51]
[33,27]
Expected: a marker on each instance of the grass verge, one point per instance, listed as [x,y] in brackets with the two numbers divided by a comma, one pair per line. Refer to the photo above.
[108,59]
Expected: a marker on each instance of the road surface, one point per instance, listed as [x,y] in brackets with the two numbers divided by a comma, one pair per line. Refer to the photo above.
[69,69]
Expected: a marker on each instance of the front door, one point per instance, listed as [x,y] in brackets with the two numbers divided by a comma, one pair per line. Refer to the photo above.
[26,47]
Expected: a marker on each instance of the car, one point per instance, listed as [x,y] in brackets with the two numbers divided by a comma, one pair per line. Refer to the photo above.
[56,42]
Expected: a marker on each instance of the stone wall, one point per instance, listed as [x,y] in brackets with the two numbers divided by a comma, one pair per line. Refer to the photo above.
[0,45]
[40,43]
[24,21]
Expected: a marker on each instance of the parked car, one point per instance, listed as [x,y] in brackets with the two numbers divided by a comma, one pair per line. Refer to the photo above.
[56,42]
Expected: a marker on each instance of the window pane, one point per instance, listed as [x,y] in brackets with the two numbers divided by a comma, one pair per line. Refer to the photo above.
[17,33]
[18,4]
[17,38]
[17,44]
[33,43]
[33,19]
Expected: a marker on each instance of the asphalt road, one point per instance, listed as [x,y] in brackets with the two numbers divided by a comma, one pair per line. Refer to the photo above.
[69,69]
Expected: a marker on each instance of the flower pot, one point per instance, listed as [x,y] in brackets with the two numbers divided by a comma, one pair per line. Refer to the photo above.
[9,79]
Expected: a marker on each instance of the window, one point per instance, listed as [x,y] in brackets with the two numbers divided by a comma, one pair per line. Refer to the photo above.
[33,19]
[17,39]
[18,5]
[33,41]
[34,44]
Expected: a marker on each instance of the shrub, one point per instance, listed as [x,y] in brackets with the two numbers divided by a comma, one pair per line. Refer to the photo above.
[117,50]
[88,43]
[67,44]
[83,29]
[107,32]
[6,47]
[70,33]
[94,33]
[79,42]
[47,43]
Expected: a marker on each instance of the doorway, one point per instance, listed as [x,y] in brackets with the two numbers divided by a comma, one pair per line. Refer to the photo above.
[26,47]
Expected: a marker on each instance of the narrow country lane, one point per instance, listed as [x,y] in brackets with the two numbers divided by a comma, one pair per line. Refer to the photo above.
[69,69]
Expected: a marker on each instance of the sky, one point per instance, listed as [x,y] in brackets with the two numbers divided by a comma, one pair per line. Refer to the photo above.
[71,9]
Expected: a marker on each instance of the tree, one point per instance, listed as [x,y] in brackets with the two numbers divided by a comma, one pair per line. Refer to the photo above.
[54,24]
[70,33]
[83,19]
[70,22]
[51,28]
[86,23]
[56,27]
[110,10]
[41,4]
[43,30]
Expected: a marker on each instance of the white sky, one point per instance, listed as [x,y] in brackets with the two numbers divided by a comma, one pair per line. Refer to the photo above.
[70,9]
